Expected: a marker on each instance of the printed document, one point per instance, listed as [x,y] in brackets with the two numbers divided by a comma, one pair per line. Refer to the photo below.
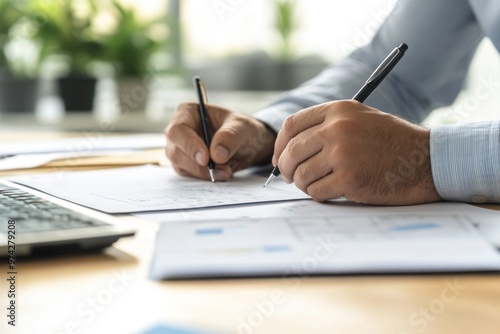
[152,188]
[334,244]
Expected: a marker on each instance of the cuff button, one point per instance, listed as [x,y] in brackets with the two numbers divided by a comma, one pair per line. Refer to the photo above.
[478,199]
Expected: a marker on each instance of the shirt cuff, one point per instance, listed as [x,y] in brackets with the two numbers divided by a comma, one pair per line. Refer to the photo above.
[465,161]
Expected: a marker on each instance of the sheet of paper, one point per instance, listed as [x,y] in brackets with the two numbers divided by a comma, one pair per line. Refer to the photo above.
[25,161]
[337,244]
[151,188]
[90,143]
[488,221]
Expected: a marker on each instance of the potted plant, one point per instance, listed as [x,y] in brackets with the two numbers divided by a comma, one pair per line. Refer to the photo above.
[129,48]
[281,69]
[291,70]
[67,33]
[18,87]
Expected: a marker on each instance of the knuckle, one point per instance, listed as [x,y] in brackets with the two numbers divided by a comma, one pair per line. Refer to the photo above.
[343,104]
[293,147]
[288,125]
[172,132]
[299,178]
[183,106]
[342,152]
[343,127]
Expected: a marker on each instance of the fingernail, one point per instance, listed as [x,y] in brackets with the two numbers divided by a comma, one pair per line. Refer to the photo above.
[199,158]
[222,152]
[221,175]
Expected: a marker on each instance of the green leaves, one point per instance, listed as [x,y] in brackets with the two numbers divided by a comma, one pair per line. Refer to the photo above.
[131,44]
[70,28]
[9,15]
[60,31]
[285,24]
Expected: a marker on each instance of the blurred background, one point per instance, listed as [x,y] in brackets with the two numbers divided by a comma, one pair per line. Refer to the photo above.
[124,65]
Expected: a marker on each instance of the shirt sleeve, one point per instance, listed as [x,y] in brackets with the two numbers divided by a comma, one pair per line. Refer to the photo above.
[442,37]
[465,160]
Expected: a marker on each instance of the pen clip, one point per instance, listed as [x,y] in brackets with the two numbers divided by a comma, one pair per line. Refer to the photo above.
[203,92]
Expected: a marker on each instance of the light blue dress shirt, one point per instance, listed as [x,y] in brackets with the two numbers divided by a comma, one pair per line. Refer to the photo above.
[442,36]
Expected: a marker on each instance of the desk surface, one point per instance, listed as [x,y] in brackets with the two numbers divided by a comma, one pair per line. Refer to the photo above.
[109,292]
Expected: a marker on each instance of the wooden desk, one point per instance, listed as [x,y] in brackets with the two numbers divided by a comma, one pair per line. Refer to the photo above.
[109,292]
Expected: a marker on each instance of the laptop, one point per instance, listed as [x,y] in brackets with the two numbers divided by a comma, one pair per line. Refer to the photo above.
[34,223]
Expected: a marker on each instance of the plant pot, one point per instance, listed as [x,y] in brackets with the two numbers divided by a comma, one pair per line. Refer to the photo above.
[77,92]
[18,94]
[133,94]
[258,72]
[288,75]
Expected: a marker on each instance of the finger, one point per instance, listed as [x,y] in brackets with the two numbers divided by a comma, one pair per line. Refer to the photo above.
[312,170]
[184,164]
[299,149]
[327,187]
[228,139]
[183,133]
[295,124]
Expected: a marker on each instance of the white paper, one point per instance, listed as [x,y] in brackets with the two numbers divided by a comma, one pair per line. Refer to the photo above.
[487,221]
[24,161]
[151,188]
[395,243]
[90,143]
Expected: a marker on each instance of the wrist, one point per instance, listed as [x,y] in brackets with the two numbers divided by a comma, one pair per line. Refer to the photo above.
[425,190]
[265,139]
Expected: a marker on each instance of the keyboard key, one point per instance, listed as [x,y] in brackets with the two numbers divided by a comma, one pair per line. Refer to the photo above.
[33,213]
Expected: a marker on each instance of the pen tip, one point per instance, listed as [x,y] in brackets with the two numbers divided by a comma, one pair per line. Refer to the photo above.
[212,175]
[269,180]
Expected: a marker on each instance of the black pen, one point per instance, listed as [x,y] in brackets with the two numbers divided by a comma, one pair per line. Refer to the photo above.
[373,81]
[202,108]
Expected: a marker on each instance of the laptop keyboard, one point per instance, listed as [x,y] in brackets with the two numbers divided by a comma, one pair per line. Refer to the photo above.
[35,214]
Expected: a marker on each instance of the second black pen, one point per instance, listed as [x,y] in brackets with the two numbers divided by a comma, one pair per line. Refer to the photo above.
[373,81]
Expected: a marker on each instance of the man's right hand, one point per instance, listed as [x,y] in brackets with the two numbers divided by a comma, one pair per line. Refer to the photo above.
[238,141]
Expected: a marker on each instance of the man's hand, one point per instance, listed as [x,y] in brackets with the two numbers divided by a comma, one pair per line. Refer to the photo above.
[345,148]
[238,141]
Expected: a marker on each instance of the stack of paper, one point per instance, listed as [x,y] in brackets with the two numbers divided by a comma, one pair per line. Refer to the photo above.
[78,151]
[240,228]
[335,244]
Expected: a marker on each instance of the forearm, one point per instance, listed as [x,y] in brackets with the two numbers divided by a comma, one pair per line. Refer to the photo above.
[340,82]
[441,47]
[465,160]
